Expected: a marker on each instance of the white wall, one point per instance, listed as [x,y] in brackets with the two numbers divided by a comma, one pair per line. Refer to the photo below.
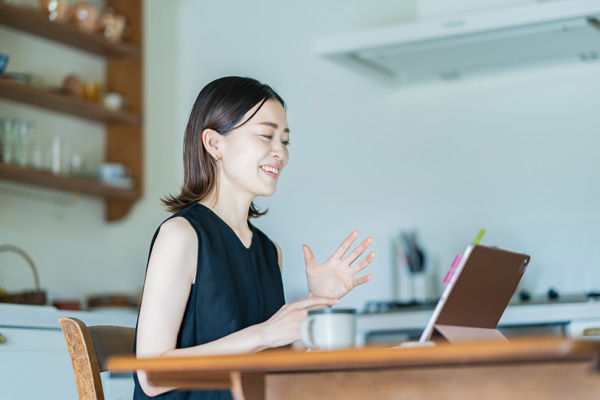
[515,153]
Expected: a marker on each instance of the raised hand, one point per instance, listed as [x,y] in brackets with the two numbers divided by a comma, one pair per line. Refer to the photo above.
[335,277]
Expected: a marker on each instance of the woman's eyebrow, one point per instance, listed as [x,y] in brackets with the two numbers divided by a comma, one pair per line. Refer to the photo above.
[273,125]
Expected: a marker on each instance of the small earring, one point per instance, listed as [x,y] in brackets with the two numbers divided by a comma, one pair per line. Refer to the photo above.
[218,158]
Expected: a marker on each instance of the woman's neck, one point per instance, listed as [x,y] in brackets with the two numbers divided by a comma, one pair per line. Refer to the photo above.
[230,208]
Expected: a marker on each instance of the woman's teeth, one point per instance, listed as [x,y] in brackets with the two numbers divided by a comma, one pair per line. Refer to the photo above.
[271,169]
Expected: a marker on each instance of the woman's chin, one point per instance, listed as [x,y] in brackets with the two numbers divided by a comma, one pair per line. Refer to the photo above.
[267,192]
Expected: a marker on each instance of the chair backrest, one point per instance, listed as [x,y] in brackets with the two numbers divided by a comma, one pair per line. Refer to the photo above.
[90,348]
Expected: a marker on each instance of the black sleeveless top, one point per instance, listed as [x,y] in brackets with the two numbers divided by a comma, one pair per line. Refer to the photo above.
[235,287]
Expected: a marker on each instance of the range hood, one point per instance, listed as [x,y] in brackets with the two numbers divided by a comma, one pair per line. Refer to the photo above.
[459,47]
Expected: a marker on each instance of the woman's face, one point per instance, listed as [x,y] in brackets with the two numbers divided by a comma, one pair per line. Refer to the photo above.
[254,154]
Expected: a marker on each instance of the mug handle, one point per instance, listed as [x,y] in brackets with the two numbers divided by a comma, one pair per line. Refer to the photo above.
[307,332]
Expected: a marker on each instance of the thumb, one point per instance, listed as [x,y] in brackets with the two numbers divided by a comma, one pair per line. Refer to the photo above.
[309,257]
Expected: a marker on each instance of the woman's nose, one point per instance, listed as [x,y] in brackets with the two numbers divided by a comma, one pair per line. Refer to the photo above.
[278,151]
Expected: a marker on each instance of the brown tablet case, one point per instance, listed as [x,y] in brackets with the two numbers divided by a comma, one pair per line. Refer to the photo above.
[476,297]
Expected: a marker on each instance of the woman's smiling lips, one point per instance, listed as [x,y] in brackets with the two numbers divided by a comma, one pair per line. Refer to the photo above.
[271,170]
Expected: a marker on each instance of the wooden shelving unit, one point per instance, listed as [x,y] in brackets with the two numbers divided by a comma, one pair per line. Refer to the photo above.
[123,128]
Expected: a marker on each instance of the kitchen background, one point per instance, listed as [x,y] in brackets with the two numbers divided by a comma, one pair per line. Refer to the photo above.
[516,153]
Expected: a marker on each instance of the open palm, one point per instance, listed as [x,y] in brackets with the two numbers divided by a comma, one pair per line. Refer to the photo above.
[335,277]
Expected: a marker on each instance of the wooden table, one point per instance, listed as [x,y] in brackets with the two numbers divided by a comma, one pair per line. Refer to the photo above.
[541,368]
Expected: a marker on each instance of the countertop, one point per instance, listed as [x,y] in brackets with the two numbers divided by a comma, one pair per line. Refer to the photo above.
[46,317]
[515,314]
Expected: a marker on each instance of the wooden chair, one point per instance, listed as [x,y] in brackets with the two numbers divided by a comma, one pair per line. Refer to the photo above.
[90,348]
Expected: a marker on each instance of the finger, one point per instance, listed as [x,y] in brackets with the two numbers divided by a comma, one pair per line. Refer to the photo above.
[363,279]
[363,264]
[359,250]
[309,257]
[339,253]
[314,301]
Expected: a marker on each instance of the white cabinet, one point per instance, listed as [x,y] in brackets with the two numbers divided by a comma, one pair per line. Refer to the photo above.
[35,364]
[34,359]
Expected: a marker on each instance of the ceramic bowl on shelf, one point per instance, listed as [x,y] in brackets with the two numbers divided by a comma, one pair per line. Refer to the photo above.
[114,101]
[112,26]
[54,10]
[73,85]
[84,16]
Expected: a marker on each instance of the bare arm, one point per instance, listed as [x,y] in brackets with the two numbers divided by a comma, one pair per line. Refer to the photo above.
[170,274]
[279,257]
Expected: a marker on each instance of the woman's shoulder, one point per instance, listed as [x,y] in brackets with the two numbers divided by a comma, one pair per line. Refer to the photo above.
[178,229]
[192,221]
[194,214]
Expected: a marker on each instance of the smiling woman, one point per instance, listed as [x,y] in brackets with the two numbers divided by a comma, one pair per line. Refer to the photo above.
[213,281]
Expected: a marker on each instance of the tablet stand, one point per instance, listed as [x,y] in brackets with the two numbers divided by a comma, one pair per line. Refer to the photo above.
[457,334]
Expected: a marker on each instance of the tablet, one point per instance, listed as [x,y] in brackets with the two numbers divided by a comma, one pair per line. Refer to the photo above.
[477,295]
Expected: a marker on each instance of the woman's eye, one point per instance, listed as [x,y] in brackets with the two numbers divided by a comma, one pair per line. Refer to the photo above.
[270,137]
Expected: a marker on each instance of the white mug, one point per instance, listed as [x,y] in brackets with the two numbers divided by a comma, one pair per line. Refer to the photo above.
[330,328]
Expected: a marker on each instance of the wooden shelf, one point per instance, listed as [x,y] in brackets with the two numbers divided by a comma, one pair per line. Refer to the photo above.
[80,185]
[63,103]
[31,21]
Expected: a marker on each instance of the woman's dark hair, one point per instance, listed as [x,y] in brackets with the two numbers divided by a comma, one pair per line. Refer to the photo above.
[220,106]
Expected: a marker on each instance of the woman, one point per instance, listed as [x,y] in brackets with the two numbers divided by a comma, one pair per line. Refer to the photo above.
[213,282]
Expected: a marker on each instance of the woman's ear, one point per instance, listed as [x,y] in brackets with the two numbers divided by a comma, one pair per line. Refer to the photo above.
[211,140]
